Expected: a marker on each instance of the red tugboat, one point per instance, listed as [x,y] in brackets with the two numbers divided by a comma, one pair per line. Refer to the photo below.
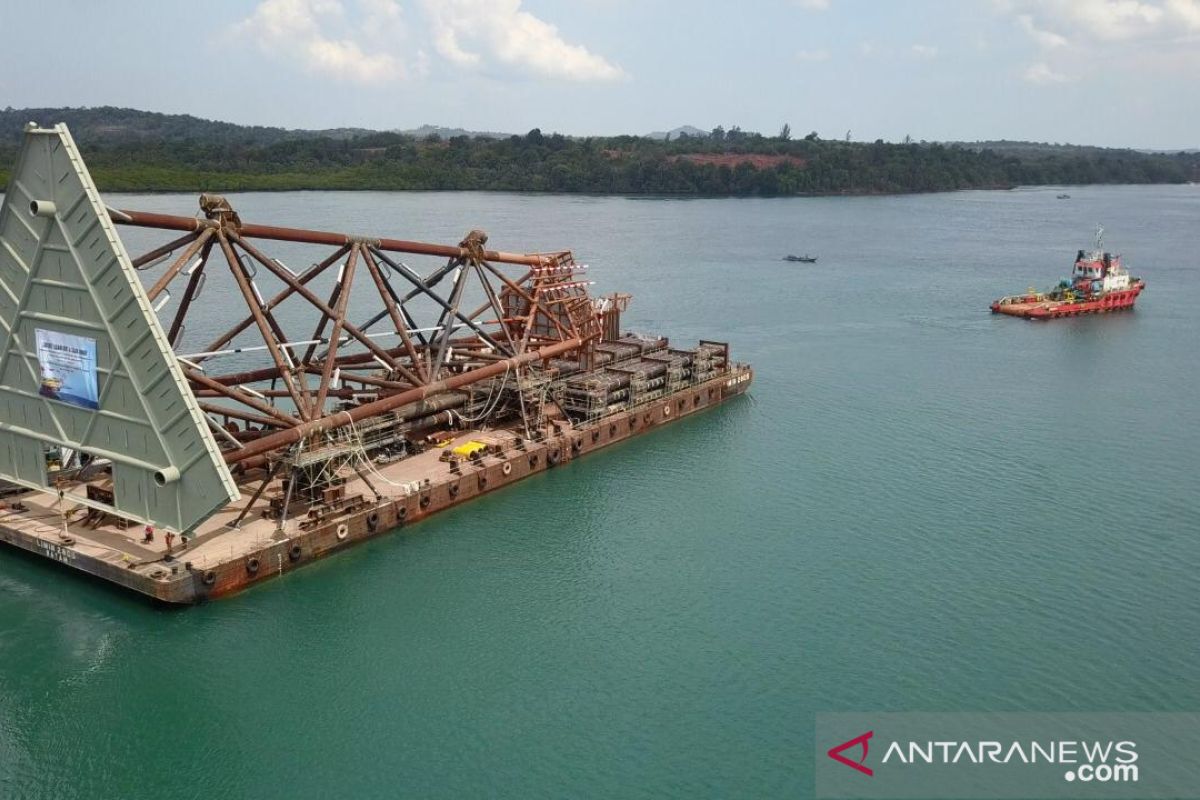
[1098,283]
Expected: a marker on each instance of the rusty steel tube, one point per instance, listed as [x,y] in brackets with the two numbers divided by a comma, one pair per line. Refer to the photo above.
[405,418]
[349,360]
[383,405]
[144,219]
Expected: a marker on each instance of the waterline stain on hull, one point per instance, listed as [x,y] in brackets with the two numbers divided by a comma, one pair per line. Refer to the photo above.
[254,553]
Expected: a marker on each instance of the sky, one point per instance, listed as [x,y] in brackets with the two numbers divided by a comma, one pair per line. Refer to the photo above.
[1120,73]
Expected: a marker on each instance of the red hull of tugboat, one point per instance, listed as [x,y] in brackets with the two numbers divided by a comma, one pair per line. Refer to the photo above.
[1050,309]
[1098,283]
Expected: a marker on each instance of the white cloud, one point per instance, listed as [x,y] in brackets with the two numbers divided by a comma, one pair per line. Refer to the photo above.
[1056,23]
[924,51]
[1186,12]
[1048,39]
[475,32]
[317,35]
[812,55]
[1070,32]
[1041,74]
[356,40]
[421,63]
[813,5]
[1112,20]
[380,13]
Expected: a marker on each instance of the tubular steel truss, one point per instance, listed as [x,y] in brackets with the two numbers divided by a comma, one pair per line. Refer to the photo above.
[345,372]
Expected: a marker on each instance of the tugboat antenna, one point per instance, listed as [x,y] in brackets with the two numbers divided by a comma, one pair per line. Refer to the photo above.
[1099,237]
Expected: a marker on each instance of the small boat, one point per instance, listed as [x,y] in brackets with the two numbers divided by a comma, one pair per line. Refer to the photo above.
[806,259]
[1098,283]
[1064,197]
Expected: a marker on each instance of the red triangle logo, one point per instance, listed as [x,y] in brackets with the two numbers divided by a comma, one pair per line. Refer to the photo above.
[836,753]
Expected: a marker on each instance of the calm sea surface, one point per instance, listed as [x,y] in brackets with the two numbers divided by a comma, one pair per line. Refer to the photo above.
[921,506]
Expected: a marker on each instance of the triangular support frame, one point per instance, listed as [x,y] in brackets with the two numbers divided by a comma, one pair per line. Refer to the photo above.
[84,361]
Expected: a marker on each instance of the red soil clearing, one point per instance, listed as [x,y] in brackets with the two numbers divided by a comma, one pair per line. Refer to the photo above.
[758,161]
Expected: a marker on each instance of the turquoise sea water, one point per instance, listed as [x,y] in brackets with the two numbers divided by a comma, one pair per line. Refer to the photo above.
[920,506]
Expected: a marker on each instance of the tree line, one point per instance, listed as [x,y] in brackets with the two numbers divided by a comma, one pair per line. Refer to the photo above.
[733,162]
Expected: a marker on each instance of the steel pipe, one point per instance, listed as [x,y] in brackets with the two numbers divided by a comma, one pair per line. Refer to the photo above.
[143,219]
[383,405]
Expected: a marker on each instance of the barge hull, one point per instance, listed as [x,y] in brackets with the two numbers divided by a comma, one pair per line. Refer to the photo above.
[258,555]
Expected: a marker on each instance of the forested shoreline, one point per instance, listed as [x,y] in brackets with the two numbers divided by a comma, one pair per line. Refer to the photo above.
[130,150]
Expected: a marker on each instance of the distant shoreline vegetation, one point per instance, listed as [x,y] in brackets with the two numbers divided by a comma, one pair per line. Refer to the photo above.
[136,151]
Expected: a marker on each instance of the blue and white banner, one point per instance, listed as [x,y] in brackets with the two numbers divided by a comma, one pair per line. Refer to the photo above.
[68,367]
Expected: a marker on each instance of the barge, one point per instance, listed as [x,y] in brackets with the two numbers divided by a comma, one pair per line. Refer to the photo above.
[144,460]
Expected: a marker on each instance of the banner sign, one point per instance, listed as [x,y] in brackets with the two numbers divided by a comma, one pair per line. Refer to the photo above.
[68,366]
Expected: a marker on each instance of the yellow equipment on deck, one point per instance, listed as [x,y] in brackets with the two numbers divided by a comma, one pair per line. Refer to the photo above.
[470,450]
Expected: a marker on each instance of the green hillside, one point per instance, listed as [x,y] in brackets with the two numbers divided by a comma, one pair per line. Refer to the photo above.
[129,150]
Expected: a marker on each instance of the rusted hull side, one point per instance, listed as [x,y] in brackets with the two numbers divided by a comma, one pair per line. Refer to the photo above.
[275,558]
